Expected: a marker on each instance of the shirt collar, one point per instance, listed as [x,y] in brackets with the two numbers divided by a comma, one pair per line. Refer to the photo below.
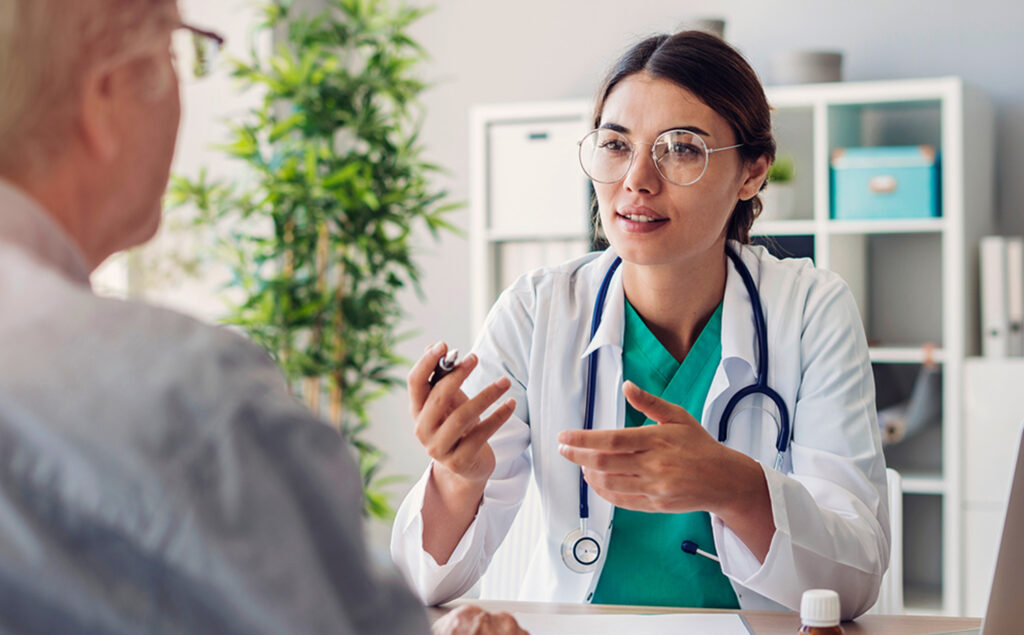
[738,332]
[26,224]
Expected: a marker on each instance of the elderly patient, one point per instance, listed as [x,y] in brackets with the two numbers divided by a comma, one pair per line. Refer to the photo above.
[155,474]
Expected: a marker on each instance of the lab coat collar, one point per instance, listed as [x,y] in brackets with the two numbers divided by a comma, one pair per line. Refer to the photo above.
[738,332]
[613,318]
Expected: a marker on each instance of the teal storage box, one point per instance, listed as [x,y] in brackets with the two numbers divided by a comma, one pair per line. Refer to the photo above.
[885,182]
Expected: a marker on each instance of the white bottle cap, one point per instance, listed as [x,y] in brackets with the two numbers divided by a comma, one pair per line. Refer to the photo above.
[819,607]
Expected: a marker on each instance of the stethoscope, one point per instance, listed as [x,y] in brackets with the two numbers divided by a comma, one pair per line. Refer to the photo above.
[581,548]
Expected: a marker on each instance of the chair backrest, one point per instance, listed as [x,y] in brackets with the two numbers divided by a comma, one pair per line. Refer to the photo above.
[890,596]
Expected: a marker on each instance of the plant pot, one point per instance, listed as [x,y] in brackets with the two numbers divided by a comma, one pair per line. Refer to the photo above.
[807,67]
[778,202]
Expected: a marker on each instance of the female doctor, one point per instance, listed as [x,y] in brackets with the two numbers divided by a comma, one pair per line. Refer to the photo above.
[698,415]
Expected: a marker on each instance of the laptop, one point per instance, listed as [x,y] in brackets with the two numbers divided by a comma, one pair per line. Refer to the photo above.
[1005,612]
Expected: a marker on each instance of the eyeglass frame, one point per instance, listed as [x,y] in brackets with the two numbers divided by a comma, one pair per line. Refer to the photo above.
[197,32]
[633,154]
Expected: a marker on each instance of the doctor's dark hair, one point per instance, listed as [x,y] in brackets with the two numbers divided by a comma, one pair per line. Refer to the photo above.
[721,78]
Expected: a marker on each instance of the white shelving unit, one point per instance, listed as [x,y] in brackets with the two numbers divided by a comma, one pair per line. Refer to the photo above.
[914,279]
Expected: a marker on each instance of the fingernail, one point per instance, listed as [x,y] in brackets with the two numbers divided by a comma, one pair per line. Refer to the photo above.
[504,382]
[562,448]
[437,348]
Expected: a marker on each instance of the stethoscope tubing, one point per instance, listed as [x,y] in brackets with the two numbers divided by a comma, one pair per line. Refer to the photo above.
[760,387]
[588,413]
[784,437]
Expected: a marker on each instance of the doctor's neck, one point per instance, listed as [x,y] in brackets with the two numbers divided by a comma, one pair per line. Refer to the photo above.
[676,300]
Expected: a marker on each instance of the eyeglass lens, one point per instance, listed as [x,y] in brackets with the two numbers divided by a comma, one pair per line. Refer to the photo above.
[197,50]
[205,51]
[679,155]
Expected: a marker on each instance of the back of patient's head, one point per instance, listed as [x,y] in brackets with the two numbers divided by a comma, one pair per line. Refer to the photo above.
[47,50]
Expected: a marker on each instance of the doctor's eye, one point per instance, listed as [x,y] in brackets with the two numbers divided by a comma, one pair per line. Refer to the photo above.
[684,152]
[615,146]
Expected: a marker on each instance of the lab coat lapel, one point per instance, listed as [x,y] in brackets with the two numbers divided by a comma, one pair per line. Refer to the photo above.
[738,365]
[609,403]
[613,320]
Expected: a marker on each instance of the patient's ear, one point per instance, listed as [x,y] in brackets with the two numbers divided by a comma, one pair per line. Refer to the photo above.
[97,114]
[756,173]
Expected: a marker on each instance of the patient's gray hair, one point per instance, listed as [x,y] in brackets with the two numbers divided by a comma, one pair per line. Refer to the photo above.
[47,47]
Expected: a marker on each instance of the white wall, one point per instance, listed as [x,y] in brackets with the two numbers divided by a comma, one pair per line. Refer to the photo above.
[207,104]
[485,51]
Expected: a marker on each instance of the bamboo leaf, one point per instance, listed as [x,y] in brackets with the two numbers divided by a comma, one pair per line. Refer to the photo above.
[318,233]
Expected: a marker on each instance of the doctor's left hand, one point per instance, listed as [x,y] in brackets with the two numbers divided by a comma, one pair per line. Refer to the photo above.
[672,467]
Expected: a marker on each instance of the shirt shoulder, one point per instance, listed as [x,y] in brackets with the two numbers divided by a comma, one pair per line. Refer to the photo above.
[574,279]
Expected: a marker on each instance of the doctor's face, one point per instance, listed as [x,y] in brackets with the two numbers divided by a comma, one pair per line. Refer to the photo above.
[649,220]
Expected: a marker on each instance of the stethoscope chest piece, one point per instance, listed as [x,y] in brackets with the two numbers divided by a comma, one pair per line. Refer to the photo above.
[581,550]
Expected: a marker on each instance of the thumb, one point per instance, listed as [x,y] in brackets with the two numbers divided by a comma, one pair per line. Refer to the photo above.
[656,408]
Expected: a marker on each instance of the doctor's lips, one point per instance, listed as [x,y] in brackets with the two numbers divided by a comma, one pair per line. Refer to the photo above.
[639,218]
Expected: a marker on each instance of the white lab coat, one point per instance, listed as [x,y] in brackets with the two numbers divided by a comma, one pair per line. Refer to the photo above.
[829,499]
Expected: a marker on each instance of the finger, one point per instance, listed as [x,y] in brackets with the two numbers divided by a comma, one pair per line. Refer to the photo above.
[464,418]
[440,400]
[418,375]
[624,440]
[470,444]
[617,483]
[611,462]
[634,502]
[459,621]
[655,408]
[505,624]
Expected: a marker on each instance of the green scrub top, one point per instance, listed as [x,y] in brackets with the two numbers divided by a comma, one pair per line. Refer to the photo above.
[645,564]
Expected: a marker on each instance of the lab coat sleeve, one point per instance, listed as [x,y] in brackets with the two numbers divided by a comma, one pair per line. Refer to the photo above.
[831,510]
[503,350]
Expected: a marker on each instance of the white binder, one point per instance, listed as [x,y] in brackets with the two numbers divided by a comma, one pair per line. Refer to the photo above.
[1015,295]
[995,318]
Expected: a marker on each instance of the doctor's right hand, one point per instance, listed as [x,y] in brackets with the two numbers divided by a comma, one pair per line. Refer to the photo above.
[448,423]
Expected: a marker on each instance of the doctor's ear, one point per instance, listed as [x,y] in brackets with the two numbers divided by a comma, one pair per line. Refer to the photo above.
[756,172]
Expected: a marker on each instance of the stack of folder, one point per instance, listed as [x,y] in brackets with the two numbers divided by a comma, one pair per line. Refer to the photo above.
[1002,296]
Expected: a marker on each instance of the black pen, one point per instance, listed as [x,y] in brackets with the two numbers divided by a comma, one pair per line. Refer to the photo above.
[444,366]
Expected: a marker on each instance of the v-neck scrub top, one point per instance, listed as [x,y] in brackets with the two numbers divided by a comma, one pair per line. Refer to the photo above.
[645,564]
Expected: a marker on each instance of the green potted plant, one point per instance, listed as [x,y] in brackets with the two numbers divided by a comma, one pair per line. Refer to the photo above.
[778,199]
[320,235]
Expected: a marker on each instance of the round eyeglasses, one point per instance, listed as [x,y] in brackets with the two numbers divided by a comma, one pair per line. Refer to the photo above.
[681,156]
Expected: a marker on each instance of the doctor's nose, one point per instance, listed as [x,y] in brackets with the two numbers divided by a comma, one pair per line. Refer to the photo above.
[643,175]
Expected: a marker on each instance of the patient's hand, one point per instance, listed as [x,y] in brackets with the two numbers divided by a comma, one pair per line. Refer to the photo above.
[473,620]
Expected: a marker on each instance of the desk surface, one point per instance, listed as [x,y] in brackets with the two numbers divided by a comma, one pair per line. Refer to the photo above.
[761,622]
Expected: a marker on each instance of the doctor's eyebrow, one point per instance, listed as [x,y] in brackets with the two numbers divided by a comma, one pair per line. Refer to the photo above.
[624,130]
